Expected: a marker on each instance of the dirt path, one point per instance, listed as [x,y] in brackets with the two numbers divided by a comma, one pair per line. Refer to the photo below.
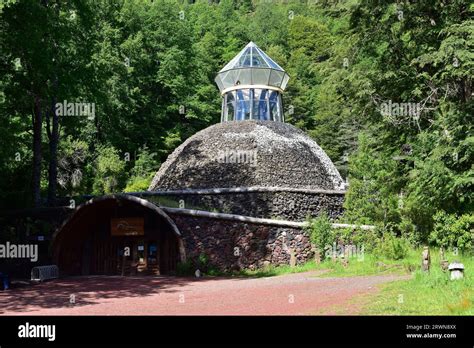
[293,294]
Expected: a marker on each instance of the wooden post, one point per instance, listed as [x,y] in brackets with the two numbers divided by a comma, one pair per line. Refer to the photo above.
[317,256]
[425,262]
[345,260]
[292,258]
[317,253]
[442,261]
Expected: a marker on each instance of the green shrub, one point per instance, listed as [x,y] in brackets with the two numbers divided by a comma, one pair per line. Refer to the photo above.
[409,231]
[142,173]
[137,184]
[321,232]
[202,262]
[356,236]
[185,268]
[322,235]
[453,231]
[189,267]
[145,164]
[109,170]
[213,272]
[393,247]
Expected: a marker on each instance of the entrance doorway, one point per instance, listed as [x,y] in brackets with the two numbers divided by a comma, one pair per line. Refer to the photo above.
[134,257]
[118,235]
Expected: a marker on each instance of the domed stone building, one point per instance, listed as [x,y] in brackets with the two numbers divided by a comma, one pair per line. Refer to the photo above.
[261,169]
[245,154]
[237,192]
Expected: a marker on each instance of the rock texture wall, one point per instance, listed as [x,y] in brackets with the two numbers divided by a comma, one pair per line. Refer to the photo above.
[248,153]
[292,206]
[233,245]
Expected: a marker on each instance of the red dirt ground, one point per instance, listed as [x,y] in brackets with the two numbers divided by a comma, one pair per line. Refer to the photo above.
[293,294]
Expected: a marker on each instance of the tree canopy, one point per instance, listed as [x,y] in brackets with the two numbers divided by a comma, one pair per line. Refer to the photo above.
[386,88]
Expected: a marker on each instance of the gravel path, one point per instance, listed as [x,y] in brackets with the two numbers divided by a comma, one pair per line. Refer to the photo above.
[293,294]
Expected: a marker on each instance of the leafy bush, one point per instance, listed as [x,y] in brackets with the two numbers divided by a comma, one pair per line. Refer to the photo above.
[202,260]
[393,247]
[205,266]
[109,170]
[453,231]
[322,235]
[137,184]
[185,268]
[145,163]
[189,267]
[355,236]
[409,231]
[143,171]
[321,232]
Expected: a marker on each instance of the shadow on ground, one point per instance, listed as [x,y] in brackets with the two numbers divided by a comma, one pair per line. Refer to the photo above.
[89,290]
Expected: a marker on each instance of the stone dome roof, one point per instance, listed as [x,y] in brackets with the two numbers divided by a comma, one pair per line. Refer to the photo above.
[248,154]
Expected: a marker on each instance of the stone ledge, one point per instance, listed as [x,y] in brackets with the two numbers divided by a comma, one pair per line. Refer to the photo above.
[236,190]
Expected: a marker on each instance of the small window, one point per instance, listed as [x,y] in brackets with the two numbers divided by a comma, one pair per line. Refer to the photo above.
[230,109]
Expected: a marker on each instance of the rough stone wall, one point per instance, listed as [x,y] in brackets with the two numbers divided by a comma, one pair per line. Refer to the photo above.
[292,206]
[248,153]
[231,245]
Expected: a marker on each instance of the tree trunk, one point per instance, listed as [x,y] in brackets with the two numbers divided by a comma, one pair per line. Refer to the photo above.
[53,132]
[53,155]
[37,155]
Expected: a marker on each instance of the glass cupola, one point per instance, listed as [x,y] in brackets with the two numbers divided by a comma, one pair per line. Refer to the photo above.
[251,85]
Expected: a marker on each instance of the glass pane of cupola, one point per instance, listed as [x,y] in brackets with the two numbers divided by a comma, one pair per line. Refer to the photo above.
[257,59]
[276,78]
[244,60]
[244,77]
[260,76]
[269,62]
[286,78]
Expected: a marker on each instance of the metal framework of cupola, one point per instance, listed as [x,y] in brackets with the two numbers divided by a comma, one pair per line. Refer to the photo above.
[251,85]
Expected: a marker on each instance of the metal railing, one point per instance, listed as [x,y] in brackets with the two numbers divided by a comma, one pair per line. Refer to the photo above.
[42,273]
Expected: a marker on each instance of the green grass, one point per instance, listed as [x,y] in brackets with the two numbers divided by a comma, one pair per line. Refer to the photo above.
[271,271]
[427,293]
[369,265]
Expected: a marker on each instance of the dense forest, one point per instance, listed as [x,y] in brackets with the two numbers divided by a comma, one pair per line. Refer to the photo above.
[385,88]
